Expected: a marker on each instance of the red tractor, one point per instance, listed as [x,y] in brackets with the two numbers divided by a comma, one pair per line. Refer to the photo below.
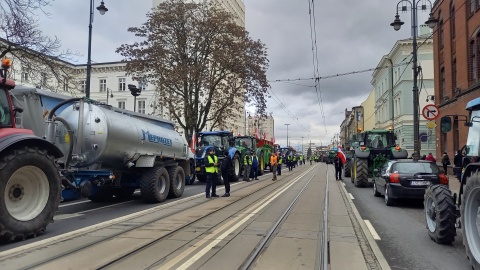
[30,187]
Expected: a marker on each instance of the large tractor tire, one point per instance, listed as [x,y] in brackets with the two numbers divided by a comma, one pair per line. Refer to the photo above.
[30,190]
[177,181]
[440,214]
[155,185]
[470,219]
[348,171]
[236,167]
[361,175]
[103,194]
[261,166]
[191,177]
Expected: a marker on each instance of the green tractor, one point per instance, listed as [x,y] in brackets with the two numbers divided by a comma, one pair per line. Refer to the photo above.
[262,148]
[375,148]
[349,154]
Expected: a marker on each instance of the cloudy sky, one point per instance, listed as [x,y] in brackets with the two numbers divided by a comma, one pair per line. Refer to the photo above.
[351,36]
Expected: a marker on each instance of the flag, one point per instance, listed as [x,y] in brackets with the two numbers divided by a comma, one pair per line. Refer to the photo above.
[193,143]
[341,155]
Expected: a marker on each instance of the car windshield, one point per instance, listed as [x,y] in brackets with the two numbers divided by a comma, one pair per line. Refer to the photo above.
[472,146]
[5,117]
[379,140]
[244,142]
[415,167]
[214,140]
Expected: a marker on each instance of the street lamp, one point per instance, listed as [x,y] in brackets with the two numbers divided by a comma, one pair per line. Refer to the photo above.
[109,92]
[287,132]
[397,24]
[135,93]
[102,9]
[302,145]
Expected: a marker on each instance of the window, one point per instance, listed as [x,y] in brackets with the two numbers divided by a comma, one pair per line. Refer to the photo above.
[25,77]
[472,6]
[83,86]
[65,84]
[473,62]
[452,20]
[121,84]
[441,34]
[454,74]
[43,80]
[442,82]
[141,106]
[103,85]
[121,104]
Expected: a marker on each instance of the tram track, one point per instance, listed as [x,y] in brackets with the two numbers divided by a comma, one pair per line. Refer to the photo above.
[130,226]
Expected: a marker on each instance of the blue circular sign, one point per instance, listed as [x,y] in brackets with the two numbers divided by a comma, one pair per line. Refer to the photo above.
[423,137]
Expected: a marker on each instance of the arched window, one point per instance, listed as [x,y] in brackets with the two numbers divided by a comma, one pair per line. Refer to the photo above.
[442,83]
[452,20]
[472,6]
[473,62]
[441,34]
[454,74]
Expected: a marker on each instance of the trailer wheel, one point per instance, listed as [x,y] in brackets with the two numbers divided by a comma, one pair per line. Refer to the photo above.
[361,176]
[440,214]
[104,194]
[261,166]
[177,181]
[155,185]
[236,167]
[30,188]
[348,171]
[471,219]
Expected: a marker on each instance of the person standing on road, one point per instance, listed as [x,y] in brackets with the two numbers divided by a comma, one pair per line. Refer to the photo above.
[311,160]
[227,173]
[247,163]
[273,164]
[337,162]
[254,169]
[289,162]
[445,162]
[457,162]
[430,158]
[279,165]
[211,168]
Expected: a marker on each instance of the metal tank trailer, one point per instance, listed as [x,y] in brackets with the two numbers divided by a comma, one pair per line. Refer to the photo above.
[108,151]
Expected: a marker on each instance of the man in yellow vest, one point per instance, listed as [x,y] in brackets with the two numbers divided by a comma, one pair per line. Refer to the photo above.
[279,166]
[211,168]
[247,164]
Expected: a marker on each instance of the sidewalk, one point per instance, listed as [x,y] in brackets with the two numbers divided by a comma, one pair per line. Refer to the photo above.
[348,233]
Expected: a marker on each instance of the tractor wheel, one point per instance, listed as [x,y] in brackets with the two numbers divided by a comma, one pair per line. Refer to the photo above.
[191,177]
[440,214]
[30,191]
[155,185]
[177,181]
[471,219]
[236,167]
[353,170]
[261,166]
[123,193]
[361,175]
[347,172]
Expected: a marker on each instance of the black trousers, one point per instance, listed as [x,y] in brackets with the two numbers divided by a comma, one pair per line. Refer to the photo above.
[338,172]
[226,181]
[212,179]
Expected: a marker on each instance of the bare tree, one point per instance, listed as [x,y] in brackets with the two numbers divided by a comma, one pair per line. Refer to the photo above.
[23,41]
[203,64]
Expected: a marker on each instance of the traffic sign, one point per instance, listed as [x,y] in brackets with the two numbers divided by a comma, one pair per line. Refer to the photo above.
[431,125]
[430,112]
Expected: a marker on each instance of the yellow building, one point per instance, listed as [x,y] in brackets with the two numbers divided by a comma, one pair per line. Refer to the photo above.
[369,111]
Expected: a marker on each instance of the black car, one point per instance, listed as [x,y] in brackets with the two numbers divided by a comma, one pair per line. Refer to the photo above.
[406,178]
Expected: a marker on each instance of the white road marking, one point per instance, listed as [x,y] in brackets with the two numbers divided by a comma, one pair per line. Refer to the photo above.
[351,196]
[66,216]
[372,230]
[343,183]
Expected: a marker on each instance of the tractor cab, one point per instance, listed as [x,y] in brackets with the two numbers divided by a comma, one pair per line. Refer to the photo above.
[6,112]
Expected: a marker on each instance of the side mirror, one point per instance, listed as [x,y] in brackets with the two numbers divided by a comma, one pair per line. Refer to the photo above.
[445,124]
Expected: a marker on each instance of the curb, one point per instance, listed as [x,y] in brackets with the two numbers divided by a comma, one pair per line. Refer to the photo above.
[373,244]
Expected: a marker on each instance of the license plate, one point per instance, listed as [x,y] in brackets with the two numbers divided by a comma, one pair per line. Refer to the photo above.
[197,169]
[420,183]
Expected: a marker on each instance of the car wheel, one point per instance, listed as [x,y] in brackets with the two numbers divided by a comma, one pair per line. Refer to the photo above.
[388,201]
[375,191]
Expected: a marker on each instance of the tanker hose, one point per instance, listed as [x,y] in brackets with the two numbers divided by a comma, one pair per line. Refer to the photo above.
[54,109]
[70,133]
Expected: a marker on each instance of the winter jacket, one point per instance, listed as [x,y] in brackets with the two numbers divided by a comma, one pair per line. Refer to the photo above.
[254,162]
[430,158]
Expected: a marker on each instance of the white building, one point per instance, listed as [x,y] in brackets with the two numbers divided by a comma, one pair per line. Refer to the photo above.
[263,125]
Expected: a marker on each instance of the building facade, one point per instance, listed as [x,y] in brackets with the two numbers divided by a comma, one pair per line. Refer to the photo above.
[393,84]
[456,43]
[369,111]
[263,126]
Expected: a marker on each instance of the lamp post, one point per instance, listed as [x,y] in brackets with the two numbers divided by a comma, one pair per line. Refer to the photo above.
[287,132]
[302,145]
[397,24]
[109,93]
[135,93]
[102,9]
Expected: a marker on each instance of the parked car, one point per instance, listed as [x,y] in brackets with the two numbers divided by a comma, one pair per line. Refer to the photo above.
[406,178]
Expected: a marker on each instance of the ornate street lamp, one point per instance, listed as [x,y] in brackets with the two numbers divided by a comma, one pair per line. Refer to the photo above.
[397,24]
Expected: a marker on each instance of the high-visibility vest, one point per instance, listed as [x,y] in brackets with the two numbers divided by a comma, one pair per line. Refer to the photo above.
[247,160]
[289,157]
[280,160]
[212,169]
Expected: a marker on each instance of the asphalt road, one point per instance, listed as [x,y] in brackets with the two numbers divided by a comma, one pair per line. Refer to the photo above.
[404,239]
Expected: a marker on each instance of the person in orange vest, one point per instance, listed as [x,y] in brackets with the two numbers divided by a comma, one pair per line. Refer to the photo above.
[273,164]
